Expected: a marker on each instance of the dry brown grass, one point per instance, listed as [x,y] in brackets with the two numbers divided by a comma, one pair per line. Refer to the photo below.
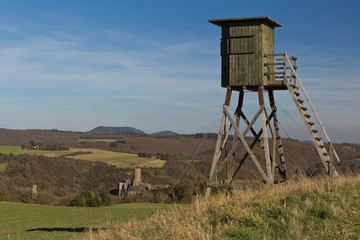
[256,214]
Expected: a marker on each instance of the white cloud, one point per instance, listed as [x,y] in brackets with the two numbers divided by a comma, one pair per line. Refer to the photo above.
[132,74]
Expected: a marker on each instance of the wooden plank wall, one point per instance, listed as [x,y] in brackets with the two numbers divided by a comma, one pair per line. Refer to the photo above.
[267,48]
[242,49]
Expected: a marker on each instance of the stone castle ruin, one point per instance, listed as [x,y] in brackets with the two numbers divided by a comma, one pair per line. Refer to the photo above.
[133,186]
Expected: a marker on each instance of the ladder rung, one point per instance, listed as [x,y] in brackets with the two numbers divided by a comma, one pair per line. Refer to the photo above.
[297,93]
[321,146]
[280,145]
[304,108]
[274,73]
[274,54]
[318,138]
[325,153]
[295,67]
[300,100]
[280,59]
[307,115]
[314,130]
[311,123]
[279,68]
[271,64]
[278,137]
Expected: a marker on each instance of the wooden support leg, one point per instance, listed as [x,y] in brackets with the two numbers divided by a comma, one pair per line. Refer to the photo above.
[231,165]
[237,143]
[227,162]
[218,149]
[270,175]
[277,138]
[246,146]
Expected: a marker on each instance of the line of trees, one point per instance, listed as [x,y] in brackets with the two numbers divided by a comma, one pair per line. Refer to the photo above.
[40,146]
[161,156]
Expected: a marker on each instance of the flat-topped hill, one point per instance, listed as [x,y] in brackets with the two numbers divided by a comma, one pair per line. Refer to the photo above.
[116,130]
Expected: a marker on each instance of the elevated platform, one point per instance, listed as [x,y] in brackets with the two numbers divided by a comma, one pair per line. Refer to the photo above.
[276,85]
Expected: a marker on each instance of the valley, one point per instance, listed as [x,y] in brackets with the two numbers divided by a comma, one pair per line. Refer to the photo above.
[175,166]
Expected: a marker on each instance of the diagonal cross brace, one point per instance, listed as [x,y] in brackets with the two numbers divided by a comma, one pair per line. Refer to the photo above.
[246,146]
[257,136]
[233,149]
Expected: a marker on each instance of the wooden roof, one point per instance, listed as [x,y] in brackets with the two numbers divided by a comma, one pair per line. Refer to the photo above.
[223,22]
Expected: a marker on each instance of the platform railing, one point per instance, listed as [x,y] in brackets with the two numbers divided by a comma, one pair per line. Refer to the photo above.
[285,69]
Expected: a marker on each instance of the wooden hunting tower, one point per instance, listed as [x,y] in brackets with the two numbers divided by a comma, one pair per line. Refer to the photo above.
[244,43]
[249,64]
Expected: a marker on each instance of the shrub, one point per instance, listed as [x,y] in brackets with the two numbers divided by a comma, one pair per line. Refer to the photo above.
[145,155]
[92,198]
[26,197]
[4,195]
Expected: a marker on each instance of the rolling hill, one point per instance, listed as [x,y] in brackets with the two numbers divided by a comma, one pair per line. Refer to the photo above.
[164,134]
[116,130]
[60,176]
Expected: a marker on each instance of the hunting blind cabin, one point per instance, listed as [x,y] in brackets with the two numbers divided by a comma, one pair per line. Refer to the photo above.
[249,64]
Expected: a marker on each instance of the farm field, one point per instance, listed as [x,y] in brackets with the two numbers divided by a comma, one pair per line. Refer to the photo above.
[10,149]
[113,158]
[118,159]
[32,221]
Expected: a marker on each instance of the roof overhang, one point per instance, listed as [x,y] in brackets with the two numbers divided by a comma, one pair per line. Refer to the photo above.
[225,21]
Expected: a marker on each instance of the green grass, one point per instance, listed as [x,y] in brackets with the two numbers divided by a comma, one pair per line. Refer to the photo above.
[304,209]
[32,221]
[10,147]
[10,150]
[332,212]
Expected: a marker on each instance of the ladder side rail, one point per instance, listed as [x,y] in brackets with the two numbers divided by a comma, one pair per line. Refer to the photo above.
[318,150]
[312,107]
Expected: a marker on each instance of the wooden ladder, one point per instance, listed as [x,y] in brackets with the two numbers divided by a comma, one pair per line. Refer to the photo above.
[286,70]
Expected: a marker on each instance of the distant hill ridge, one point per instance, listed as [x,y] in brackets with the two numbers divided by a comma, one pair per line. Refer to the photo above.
[117,130]
[164,134]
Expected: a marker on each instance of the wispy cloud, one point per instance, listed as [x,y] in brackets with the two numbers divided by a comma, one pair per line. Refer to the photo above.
[117,76]
[56,69]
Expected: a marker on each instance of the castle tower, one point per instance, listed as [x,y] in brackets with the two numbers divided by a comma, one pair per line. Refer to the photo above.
[137,177]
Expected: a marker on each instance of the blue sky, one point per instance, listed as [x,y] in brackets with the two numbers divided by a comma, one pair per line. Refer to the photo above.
[155,65]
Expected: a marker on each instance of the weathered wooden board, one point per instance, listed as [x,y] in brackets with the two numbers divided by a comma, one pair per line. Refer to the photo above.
[244,43]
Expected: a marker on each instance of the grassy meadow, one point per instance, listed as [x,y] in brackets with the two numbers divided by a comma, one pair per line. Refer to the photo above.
[32,221]
[302,209]
[10,150]
[113,158]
